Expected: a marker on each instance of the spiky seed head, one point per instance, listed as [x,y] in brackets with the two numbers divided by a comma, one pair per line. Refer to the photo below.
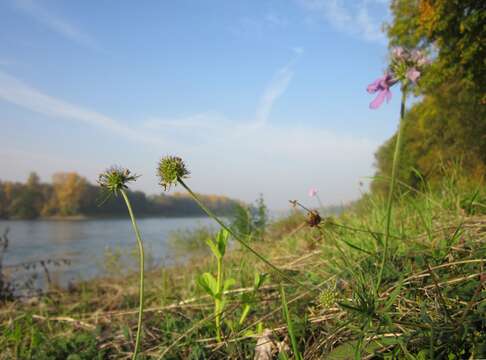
[115,179]
[313,218]
[170,170]
[327,298]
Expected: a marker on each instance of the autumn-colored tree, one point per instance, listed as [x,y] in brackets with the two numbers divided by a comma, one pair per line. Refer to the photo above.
[454,29]
[448,122]
[69,189]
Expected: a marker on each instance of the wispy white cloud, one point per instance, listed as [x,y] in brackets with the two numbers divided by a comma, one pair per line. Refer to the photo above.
[351,17]
[55,22]
[275,88]
[17,92]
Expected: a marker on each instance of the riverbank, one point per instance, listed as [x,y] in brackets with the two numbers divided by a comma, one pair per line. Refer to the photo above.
[431,298]
[104,217]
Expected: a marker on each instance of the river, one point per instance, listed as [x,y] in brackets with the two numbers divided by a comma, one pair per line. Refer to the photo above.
[85,242]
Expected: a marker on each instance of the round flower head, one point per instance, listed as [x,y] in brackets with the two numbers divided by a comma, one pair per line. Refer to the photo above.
[115,179]
[405,67]
[170,170]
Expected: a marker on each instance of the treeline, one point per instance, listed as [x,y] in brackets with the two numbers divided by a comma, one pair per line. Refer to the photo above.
[70,194]
[448,123]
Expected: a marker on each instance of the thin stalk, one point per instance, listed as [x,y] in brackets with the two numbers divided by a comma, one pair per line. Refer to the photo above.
[242,242]
[321,207]
[218,302]
[141,264]
[290,327]
[396,160]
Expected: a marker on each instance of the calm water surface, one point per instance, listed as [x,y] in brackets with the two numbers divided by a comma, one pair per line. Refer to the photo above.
[84,242]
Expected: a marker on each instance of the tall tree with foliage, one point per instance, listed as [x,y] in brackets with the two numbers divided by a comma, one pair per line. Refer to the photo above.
[448,123]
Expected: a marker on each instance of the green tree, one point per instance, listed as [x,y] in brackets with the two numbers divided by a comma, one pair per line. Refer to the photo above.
[448,123]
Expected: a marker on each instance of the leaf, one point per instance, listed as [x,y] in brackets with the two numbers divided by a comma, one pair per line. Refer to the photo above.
[208,283]
[393,295]
[222,240]
[356,247]
[214,248]
[244,314]
[228,283]
[290,327]
[259,280]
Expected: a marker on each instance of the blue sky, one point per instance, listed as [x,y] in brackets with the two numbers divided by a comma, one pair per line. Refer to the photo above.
[257,96]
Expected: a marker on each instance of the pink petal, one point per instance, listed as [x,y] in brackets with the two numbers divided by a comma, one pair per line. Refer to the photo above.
[376,85]
[375,104]
[312,192]
[413,75]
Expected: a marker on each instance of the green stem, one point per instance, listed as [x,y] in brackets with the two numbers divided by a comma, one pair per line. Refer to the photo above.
[141,263]
[218,302]
[242,242]
[396,160]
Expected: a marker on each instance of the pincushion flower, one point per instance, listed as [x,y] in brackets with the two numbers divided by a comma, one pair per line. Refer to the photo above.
[170,170]
[115,179]
[312,192]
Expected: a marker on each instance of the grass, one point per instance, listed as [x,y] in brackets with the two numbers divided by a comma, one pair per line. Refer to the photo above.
[430,303]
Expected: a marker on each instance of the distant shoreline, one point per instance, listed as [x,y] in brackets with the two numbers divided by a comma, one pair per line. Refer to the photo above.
[105,217]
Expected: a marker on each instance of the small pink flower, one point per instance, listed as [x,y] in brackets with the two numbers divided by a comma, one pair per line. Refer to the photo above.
[312,192]
[419,58]
[399,53]
[413,75]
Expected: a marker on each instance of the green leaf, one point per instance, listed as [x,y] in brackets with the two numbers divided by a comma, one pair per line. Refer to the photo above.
[222,240]
[393,295]
[208,283]
[259,280]
[290,327]
[214,248]
[244,314]
[228,283]
[356,247]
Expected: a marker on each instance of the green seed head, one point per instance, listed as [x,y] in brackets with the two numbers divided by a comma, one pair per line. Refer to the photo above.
[115,179]
[170,170]
[327,298]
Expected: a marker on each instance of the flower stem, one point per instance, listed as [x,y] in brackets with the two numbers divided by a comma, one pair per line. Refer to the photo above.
[389,204]
[141,264]
[242,242]
[218,308]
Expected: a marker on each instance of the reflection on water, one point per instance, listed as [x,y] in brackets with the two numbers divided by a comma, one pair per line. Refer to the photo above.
[84,242]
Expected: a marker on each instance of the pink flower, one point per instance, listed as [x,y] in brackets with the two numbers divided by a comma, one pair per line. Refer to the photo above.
[399,53]
[312,192]
[413,75]
[382,87]
[419,58]
[417,55]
